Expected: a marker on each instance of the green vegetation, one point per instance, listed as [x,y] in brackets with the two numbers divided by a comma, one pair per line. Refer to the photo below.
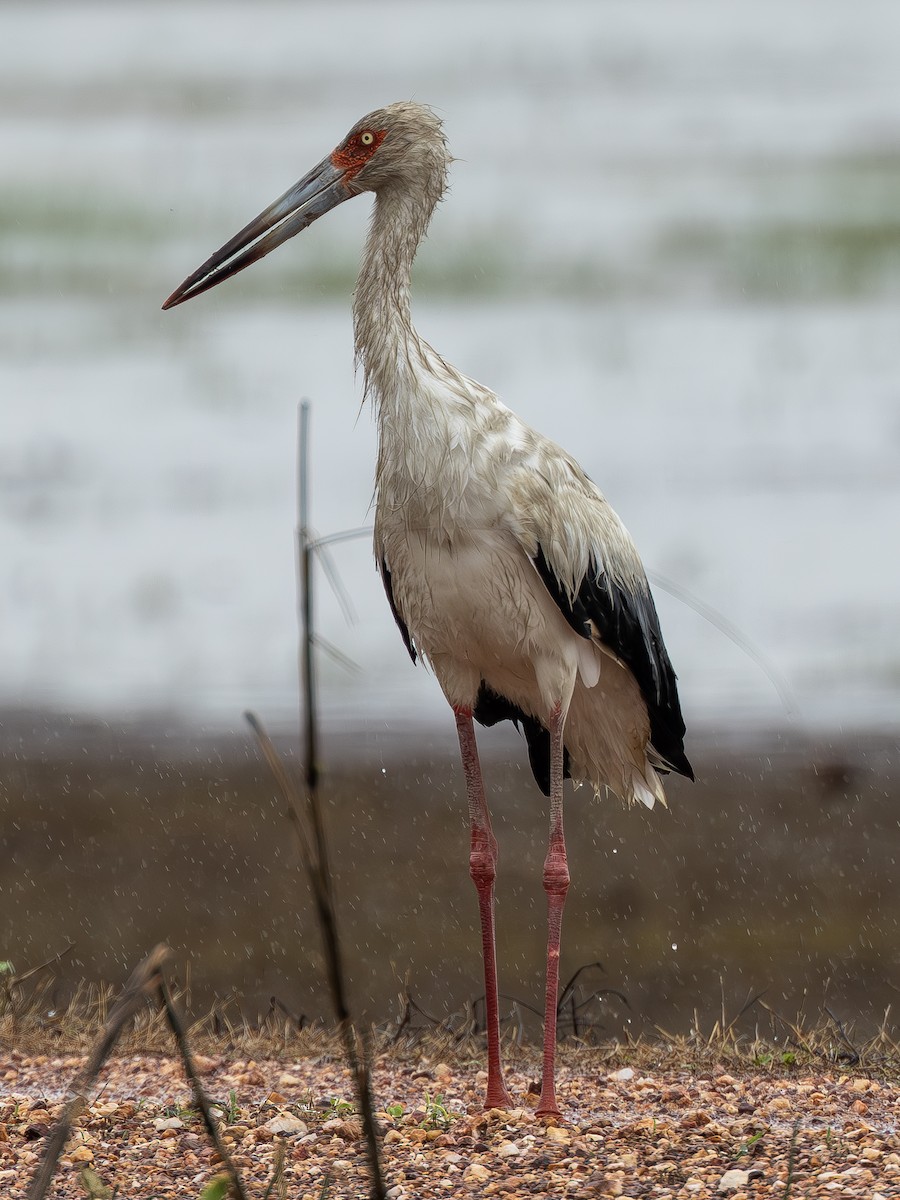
[815,231]
[751,1143]
[790,260]
[437,1115]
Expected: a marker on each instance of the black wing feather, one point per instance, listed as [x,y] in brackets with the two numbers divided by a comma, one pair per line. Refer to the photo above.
[628,624]
[626,621]
[491,708]
[401,624]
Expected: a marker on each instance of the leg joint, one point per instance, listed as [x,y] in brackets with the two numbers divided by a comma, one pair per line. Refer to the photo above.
[483,858]
[556,876]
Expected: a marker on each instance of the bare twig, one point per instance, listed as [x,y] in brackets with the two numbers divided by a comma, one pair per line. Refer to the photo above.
[854,1052]
[311,831]
[312,847]
[277,1184]
[570,986]
[792,1159]
[16,980]
[278,1006]
[144,981]
[200,1097]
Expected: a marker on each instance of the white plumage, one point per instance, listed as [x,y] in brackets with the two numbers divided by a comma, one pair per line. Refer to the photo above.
[504,565]
[459,541]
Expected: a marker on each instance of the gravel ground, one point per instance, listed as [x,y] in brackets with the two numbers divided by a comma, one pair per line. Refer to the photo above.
[625,1133]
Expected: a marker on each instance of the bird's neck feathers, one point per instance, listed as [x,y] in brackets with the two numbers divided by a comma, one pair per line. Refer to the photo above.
[386,341]
[423,405]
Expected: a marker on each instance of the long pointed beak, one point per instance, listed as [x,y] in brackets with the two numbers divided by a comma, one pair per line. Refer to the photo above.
[315,194]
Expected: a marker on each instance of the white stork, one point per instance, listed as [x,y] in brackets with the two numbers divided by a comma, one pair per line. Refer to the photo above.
[504,565]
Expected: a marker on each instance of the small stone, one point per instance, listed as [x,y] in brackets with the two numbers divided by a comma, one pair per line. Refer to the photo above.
[161,1123]
[556,1133]
[476,1173]
[508,1150]
[82,1154]
[733,1179]
[623,1075]
[286,1124]
[694,1120]
[350,1130]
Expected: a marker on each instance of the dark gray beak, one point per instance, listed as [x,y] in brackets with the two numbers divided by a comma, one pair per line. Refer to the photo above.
[316,193]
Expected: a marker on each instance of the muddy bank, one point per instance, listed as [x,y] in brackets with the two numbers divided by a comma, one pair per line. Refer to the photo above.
[775,872]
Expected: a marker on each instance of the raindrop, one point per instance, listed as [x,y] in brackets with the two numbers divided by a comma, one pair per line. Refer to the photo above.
[674,945]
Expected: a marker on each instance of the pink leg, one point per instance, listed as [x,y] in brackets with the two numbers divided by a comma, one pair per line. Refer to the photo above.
[483,869]
[556,884]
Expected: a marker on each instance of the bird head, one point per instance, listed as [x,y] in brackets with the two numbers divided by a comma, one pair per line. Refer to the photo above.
[399,146]
[402,144]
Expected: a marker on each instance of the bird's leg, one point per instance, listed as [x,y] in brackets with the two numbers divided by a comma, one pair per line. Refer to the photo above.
[556,884]
[483,869]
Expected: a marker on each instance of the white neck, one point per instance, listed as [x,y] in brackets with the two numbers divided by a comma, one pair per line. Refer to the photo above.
[386,343]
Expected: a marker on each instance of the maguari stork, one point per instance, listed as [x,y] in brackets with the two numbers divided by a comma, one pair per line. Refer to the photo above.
[505,567]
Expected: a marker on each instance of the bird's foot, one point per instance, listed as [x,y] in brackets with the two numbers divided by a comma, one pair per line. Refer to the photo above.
[497,1097]
[547,1107]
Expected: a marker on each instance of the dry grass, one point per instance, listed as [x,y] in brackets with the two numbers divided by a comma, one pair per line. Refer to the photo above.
[781,1064]
[756,1040]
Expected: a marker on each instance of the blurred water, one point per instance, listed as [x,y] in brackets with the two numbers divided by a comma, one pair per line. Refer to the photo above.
[672,244]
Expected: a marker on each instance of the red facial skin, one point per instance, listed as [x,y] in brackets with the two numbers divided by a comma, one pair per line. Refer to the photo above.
[353,155]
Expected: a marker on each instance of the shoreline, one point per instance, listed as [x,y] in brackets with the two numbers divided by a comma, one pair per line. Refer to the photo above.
[775,873]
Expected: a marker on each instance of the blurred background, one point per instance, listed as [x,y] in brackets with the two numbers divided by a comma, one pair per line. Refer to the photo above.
[672,243]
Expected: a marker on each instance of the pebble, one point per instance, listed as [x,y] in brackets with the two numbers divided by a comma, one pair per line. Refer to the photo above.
[734,1179]
[286,1124]
[672,1133]
[558,1133]
[623,1075]
[476,1173]
[509,1150]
